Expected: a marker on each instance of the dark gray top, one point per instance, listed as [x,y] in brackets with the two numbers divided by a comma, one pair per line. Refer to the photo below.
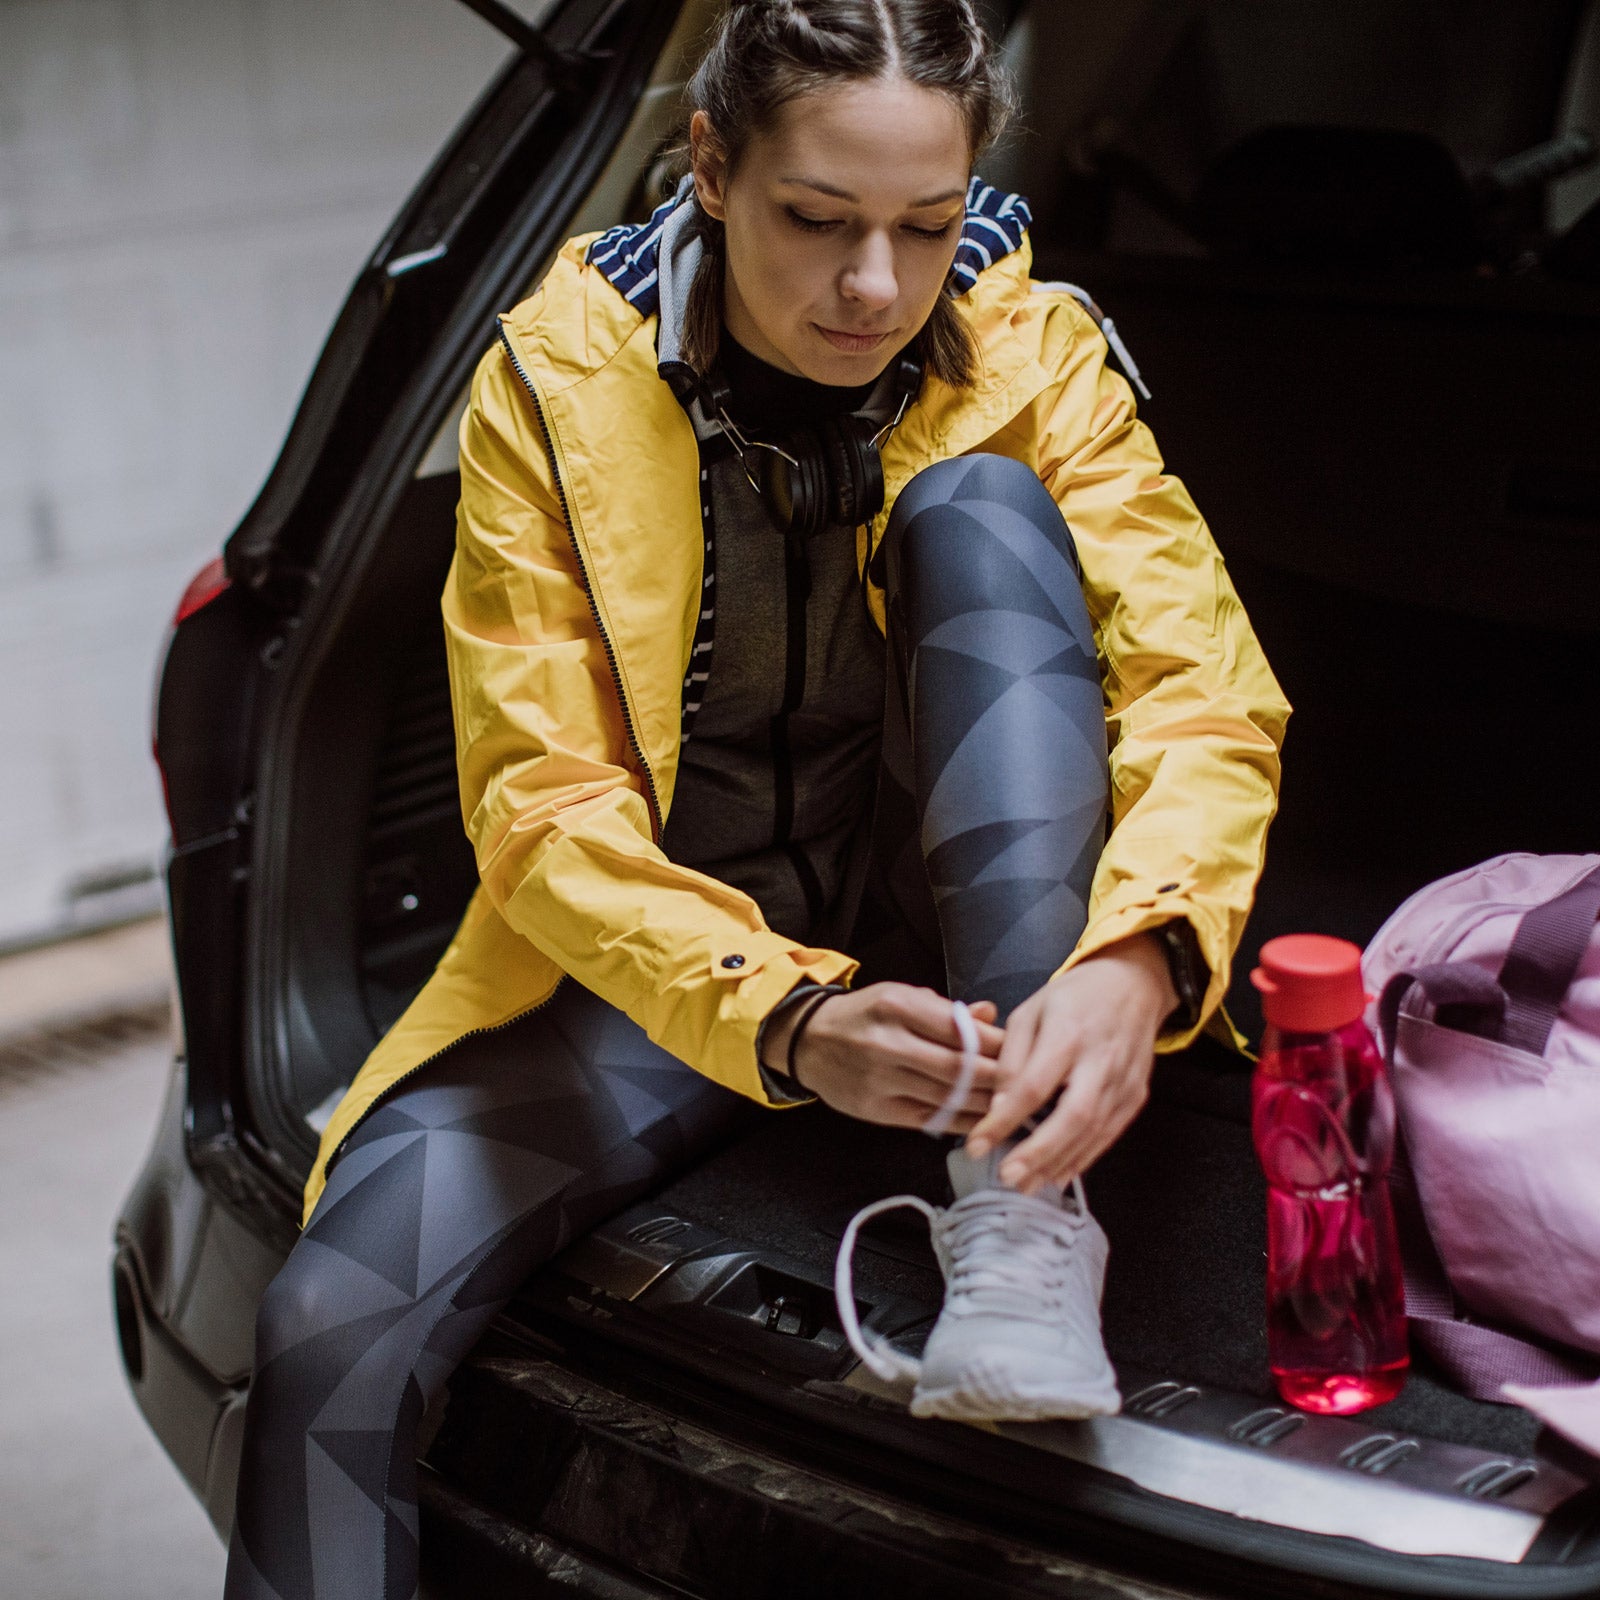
[780,754]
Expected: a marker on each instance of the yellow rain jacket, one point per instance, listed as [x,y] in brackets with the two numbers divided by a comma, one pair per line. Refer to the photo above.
[569,613]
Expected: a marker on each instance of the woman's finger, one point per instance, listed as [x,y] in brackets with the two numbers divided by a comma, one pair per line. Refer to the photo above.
[1102,1098]
[1126,1092]
[1032,1066]
[1098,1136]
[1038,1158]
[932,1017]
[1020,1034]
[925,1093]
[939,1066]
[913,1113]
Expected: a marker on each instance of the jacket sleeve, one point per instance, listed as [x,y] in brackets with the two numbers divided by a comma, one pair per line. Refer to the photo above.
[554,801]
[1194,715]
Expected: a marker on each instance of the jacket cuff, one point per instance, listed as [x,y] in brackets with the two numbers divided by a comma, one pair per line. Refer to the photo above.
[1211,952]
[735,1061]
[781,1089]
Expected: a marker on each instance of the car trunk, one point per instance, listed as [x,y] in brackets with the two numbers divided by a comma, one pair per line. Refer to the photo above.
[1423,739]
[1400,472]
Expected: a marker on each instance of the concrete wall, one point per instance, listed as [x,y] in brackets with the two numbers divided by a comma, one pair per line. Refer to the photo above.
[187,188]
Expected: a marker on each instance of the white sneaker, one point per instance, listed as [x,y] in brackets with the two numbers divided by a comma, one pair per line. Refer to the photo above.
[1019,1337]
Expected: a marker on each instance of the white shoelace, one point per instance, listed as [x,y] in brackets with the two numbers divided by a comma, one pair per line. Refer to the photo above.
[1012,1253]
[876,1354]
[889,1364]
[939,1122]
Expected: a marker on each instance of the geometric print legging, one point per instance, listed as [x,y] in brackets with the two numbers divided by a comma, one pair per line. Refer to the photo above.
[989,821]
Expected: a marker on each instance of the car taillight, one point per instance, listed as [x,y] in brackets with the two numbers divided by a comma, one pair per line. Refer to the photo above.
[204,587]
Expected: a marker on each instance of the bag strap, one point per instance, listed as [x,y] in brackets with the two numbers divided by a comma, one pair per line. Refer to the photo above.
[1543,960]
[1478,1358]
[1457,984]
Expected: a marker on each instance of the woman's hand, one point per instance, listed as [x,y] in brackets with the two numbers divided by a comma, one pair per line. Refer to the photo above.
[889,1053]
[1094,1029]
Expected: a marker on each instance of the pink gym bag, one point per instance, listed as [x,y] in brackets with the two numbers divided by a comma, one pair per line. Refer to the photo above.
[1488,1005]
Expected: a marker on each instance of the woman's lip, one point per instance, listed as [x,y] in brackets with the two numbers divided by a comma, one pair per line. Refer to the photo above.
[854,342]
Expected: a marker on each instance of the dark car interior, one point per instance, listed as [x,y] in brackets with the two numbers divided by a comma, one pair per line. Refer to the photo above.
[1373,340]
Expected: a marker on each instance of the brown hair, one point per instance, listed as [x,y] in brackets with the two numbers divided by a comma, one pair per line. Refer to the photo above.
[764,53]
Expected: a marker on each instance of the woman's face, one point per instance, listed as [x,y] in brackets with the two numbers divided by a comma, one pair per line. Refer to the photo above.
[841,224]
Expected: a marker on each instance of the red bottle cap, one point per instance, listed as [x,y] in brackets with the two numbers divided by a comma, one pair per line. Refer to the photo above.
[1310,983]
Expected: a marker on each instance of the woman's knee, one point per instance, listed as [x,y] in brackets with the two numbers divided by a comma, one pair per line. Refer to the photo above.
[981,485]
[309,1296]
[980,475]
[983,529]
[978,478]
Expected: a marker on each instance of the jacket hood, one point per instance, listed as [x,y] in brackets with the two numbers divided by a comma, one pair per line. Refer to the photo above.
[652,264]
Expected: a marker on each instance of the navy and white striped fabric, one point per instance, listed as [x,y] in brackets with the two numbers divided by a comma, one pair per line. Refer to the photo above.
[993,228]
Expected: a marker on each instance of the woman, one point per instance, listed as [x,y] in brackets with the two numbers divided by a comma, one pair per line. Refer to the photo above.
[746,797]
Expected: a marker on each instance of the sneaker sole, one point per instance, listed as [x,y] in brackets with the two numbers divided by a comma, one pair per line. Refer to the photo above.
[960,1405]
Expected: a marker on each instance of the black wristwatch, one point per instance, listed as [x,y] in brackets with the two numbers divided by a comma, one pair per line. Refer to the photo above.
[1190,974]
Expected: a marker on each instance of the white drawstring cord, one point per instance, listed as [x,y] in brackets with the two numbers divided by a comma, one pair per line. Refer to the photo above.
[875,1353]
[939,1122]
[1107,327]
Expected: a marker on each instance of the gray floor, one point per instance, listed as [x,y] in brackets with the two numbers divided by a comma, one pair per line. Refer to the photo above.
[90,1507]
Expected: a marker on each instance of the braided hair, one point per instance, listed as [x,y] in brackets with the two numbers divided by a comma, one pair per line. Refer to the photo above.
[764,53]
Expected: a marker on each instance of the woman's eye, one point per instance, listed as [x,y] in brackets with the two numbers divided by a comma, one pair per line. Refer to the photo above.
[827,225]
[809,224]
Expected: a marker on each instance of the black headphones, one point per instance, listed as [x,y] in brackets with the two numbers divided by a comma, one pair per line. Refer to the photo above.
[828,473]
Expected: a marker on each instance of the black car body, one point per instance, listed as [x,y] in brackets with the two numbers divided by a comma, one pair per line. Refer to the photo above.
[1375,365]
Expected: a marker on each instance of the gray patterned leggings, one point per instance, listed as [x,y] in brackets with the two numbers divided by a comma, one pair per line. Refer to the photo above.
[990,819]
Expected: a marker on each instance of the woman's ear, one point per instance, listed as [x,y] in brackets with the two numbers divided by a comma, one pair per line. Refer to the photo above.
[709,165]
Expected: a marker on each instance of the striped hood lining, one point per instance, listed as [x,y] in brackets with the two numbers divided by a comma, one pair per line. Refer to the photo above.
[650,262]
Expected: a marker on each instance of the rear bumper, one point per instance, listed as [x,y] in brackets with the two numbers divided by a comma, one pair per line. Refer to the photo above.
[198,1419]
[469,1550]
[535,1462]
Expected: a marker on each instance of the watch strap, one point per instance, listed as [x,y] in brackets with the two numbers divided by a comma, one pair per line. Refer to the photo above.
[1190,974]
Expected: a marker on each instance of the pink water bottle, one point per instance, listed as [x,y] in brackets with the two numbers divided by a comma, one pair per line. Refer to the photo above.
[1323,1120]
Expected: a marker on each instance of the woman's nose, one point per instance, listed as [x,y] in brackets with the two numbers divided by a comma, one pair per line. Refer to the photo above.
[870,278]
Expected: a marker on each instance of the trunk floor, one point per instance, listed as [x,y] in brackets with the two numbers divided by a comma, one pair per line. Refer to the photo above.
[1180,1196]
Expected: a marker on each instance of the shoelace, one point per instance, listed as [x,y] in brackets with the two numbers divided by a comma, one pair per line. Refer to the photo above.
[890,1364]
[939,1122]
[1015,1280]
[876,1354]
[1011,1253]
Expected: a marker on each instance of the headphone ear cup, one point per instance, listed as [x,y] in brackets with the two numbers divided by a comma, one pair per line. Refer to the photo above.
[868,462]
[810,480]
[780,488]
[856,476]
[841,467]
[837,475]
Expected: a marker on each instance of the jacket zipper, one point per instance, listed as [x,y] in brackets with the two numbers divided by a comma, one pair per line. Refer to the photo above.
[385,1095]
[797,595]
[588,586]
